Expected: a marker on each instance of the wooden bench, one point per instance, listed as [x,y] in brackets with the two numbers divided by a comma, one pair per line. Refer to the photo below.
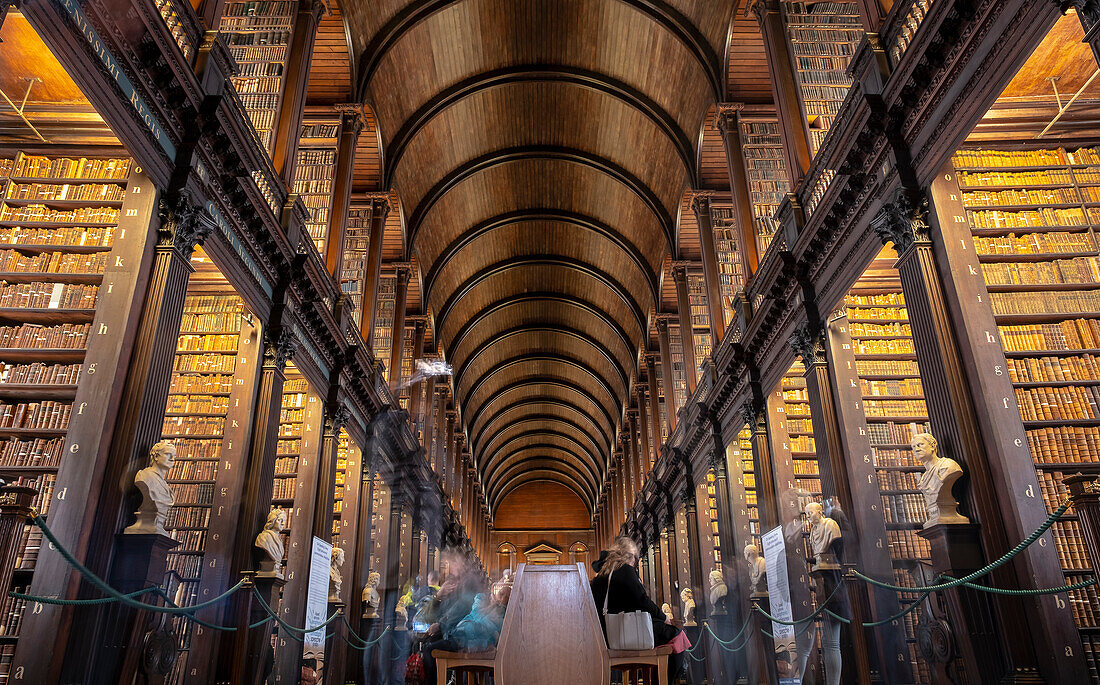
[628,660]
[476,663]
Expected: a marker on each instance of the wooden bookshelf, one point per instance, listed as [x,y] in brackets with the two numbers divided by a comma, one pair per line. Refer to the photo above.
[679,372]
[383,320]
[727,237]
[257,33]
[1034,229]
[196,413]
[356,244]
[700,316]
[59,237]
[743,453]
[807,476]
[313,174]
[766,168]
[823,37]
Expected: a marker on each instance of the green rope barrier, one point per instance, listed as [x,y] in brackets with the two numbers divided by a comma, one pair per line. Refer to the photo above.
[733,639]
[724,645]
[366,643]
[286,626]
[1027,593]
[811,617]
[982,571]
[102,584]
[78,602]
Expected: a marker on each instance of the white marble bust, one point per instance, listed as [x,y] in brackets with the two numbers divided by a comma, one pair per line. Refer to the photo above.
[687,601]
[271,542]
[940,474]
[336,574]
[823,531]
[371,599]
[156,495]
[757,568]
[666,609]
[718,589]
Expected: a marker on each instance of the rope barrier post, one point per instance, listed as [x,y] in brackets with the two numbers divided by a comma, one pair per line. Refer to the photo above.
[337,642]
[140,561]
[766,645]
[253,655]
[1085,492]
[15,509]
[956,551]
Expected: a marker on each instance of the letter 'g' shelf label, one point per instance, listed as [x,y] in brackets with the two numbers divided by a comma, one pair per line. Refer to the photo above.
[115,70]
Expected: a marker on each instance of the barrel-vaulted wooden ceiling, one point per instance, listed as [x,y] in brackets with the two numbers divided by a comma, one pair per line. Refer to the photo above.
[540,150]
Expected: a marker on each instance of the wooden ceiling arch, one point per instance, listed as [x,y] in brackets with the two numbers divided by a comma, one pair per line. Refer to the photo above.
[540,394]
[560,414]
[540,151]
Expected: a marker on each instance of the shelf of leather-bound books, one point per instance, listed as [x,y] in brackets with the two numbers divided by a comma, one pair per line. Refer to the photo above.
[766,169]
[59,217]
[823,37]
[289,446]
[258,35]
[314,173]
[383,326]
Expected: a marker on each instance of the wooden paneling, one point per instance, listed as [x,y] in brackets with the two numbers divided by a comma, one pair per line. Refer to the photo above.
[330,69]
[712,157]
[747,75]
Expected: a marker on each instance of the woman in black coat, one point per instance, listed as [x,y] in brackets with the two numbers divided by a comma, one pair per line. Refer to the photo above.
[628,594]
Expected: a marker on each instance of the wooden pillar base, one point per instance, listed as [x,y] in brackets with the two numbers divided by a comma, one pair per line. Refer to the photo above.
[140,562]
[968,638]
[765,645]
[335,654]
[259,658]
[371,658]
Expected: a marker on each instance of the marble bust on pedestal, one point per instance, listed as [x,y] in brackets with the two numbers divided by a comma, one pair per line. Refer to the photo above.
[823,532]
[371,599]
[940,474]
[156,495]
[336,575]
[270,541]
[687,601]
[757,569]
[718,592]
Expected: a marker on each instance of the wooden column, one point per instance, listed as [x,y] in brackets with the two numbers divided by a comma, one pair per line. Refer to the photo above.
[728,122]
[629,458]
[356,544]
[451,475]
[695,561]
[397,341]
[303,518]
[324,490]
[792,123]
[288,126]
[657,571]
[848,473]
[645,455]
[667,381]
[655,395]
[351,126]
[675,582]
[756,415]
[391,579]
[973,412]
[687,333]
[427,425]
[700,204]
[664,569]
[420,325]
[439,453]
[379,209]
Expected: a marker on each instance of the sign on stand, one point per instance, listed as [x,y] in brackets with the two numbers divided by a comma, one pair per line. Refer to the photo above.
[787,662]
[317,597]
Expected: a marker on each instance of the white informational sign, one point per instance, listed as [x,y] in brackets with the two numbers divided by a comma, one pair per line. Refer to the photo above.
[779,597]
[317,595]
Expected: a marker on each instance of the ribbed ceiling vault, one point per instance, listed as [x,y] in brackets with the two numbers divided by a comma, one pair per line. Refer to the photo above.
[540,150]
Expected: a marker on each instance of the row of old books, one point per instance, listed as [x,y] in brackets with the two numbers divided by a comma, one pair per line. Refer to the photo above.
[201,383]
[193,494]
[53,262]
[1060,403]
[41,214]
[1076,334]
[1060,302]
[40,373]
[97,192]
[1029,218]
[197,404]
[1052,243]
[1064,444]
[892,387]
[48,295]
[70,167]
[1084,368]
[1075,270]
[75,236]
[48,415]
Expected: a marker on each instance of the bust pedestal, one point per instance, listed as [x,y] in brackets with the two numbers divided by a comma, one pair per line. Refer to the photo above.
[765,646]
[140,561]
[335,654]
[369,630]
[968,629]
[253,656]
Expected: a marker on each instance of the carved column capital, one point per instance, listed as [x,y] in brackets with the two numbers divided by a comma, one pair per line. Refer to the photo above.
[351,118]
[808,344]
[336,417]
[728,115]
[281,349]
[402,271]
[183,224]
[903,221]
[680,271]
[379,204]
[700,203]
